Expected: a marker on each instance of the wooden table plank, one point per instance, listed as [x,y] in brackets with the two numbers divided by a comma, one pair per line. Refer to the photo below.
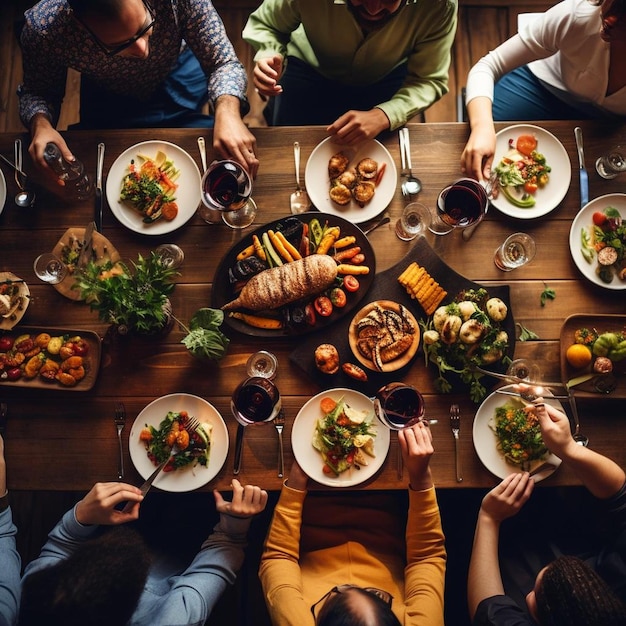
[61,440]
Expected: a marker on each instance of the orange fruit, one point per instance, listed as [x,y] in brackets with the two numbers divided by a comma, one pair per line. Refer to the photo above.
[578,355]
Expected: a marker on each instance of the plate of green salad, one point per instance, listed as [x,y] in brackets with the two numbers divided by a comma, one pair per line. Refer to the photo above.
[157,426]
[533,172]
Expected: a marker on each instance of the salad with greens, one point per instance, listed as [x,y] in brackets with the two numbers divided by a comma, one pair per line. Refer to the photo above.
[604,241]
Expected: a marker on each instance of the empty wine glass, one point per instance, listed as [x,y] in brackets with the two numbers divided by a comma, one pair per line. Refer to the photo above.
[415,219]
[226,187]
[398,405]
[171,255]
[612,163]
[263,364]
[524,369]
[49,268]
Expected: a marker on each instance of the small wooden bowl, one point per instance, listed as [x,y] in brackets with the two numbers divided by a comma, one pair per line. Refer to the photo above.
[404,358]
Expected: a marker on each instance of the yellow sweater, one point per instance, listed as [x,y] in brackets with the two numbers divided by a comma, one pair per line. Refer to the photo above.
[359,546]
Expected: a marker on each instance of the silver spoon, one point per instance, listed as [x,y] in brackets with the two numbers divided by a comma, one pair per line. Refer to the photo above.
[412,185]
[24,197]
[299,201]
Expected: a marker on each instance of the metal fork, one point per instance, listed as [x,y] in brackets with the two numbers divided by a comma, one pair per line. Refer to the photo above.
[455,425]
[279,424]
[120,422]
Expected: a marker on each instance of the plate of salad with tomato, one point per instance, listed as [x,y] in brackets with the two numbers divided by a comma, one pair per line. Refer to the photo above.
[597,241]
[533,172]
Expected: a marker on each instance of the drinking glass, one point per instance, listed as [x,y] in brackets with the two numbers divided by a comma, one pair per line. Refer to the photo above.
[226,187]
[255,400]
[612,163]
[461,204]
[49,268]
[415,219]
[263,364]
[524,369]
[398,405]
[516,250]
[171,255]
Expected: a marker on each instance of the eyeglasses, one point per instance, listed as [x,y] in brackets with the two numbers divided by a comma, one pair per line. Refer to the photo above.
[385,596]
[116,49]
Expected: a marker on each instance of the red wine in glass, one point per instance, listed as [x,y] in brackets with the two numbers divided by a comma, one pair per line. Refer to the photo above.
[255,400]
[226,186]
[459,206]
[399,406]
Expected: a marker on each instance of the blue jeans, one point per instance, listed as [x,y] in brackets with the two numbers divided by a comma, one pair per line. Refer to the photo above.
[309,98]
[176,103]
[521,96]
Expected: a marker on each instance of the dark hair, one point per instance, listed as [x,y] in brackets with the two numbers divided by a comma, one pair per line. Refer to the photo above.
[109,9]
[99,584]
[572,593]
[338,610]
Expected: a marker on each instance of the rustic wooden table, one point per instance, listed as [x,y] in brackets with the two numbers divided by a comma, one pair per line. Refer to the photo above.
[66,440]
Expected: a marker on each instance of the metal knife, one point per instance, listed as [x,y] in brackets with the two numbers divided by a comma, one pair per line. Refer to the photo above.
[584,179]
[238,448]
[99,197]
[83,257]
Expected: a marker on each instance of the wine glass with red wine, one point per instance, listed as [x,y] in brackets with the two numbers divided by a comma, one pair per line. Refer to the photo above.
[459,205]
[255,400]
[398,405]
[227,187]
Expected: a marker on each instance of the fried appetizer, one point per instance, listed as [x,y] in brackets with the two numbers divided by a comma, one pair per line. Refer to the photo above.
[327,358]
[367,168]
[340,194]
[337,165]
[348,178]
[363,192]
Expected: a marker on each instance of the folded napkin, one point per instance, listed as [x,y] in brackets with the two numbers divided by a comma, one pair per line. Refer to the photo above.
[386,287]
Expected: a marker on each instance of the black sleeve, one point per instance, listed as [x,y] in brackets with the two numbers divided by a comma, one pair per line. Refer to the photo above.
[501,611]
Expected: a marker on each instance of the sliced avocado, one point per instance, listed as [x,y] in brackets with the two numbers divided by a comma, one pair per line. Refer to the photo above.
[523,202]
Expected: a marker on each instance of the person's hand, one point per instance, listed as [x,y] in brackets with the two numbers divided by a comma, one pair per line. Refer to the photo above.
[555,429]
[266,74]
[98,506]
[356,126]
[507,498]
[231,137]
[247,500]
[477,157]
[416,445]
[297,478]
[42,133]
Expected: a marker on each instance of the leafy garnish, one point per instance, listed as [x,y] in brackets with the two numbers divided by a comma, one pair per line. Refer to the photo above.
[525,334]
[547,294]
[204,338]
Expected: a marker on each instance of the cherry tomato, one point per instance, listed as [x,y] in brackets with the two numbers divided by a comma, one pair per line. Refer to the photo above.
[526,144]
[15,373]
[80,347]
[338,297]
[326,469]
[350,283]
[530,187]
[323,306]
[599,218]
[6,343]
[309,314]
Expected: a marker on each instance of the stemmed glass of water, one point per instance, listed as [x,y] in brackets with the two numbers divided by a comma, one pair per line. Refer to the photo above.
[227,187]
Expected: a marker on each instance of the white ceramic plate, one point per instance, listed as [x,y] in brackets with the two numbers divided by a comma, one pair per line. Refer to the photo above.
[584,220]
[310,459]
[551,195]
[188,194]
[485,441]
[3,191]
[190,477]
[20,302]
[318,184]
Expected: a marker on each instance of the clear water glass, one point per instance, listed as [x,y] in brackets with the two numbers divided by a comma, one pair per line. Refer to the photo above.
[171,255]
[415,219]
[49,268]
[516,250]
[263,364]
[613,163]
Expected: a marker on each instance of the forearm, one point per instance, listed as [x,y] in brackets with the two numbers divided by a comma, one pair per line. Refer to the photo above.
[269,27]
[484,579]
[11,565]
[600,475]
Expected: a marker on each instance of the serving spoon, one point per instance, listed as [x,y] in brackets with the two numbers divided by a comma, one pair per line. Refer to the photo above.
[299,200]
[412,185]
[24,197]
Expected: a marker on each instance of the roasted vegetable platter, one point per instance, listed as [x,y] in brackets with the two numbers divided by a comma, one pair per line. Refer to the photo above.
[261,260]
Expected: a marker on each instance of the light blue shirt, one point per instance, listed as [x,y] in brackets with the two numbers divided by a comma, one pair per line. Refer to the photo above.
[10,567]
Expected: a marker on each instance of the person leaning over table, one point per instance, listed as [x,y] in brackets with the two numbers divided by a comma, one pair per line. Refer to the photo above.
[86,576]
[357,66]
[331,561]
[568,590]
[143,64]
[567,63]
[9,557]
